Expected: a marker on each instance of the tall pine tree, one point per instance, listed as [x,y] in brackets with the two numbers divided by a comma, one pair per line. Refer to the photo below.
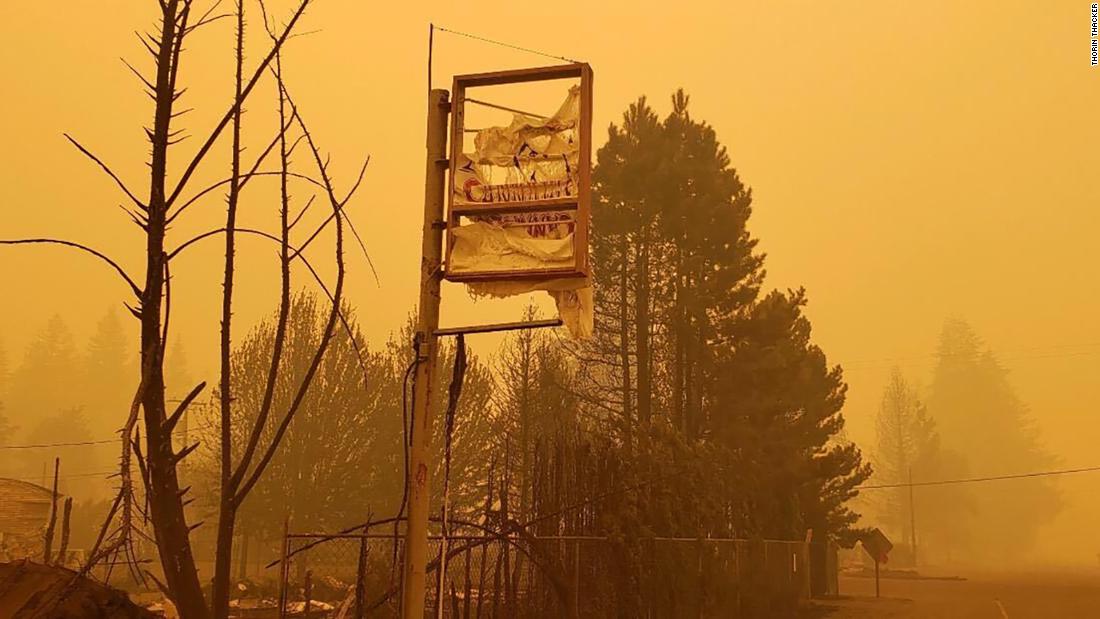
[981,418]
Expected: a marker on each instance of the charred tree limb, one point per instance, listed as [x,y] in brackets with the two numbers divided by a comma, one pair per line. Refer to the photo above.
[228,116]
[141,205]
[44,241]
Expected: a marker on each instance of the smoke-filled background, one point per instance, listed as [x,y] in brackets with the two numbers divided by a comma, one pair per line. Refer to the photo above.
[927,171]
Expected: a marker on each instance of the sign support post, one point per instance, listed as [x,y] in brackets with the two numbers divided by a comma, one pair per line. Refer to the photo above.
[431,273]
[878,546]
[876,576]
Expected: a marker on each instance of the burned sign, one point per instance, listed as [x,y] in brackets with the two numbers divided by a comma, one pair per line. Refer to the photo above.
[519,198]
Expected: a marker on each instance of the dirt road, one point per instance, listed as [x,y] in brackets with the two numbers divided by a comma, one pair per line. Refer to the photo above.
[981,596]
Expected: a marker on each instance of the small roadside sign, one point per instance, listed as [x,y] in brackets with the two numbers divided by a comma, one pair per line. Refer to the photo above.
[876,544]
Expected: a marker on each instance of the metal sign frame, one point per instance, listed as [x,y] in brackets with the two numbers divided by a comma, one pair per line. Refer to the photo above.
[581,204]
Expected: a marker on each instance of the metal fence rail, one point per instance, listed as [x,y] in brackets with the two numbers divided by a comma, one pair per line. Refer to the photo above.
[357,576]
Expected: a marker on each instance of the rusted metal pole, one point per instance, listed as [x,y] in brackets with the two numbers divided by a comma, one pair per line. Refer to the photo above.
[284,568]
[361,580]
[307,606]
[876,577]
[419,486]
[577,579]
[912,519]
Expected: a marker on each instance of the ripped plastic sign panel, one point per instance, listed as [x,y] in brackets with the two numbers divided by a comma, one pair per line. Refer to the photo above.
[531,159]
[520,197]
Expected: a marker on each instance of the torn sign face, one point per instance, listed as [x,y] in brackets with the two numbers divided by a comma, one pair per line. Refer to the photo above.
[532,159]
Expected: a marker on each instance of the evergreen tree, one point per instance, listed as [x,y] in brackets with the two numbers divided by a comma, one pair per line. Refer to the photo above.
[907,443]
[686,342]
[4,372]
[7,431]
[981,418]
[715,274]
[107,376]
[783,407]
[66,426]
[178,382]
[535,401]
[48,379]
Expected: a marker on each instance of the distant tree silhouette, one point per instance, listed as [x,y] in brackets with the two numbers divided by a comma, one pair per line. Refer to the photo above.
[906,439]
[48,379]
[5,371]
[981,418]
[66,426]
[107,381]
[7,430]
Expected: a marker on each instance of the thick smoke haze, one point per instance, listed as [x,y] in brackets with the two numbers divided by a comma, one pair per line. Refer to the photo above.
[910,163]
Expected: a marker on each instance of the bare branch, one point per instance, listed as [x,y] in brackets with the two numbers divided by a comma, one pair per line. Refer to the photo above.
[252,172]
[201,154]
[123,501]
[244,180]
[145,42]
[134,287]
[210,11]
[358,181]
[347,218]
[334,315]
[110,173]
[302,212]
[205,21]
[170,422]
[183,453]
[302,258]
[167,308]
[284,296]
[138,74]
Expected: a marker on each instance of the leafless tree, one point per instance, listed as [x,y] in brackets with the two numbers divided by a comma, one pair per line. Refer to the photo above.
[164,499]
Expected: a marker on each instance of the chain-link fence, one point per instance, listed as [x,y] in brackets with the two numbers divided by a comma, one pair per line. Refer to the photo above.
[489,576]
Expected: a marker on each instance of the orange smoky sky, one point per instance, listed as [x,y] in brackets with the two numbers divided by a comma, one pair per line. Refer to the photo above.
[908,161]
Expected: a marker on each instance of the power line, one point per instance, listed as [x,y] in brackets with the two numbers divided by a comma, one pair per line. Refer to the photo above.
[509,45]
[105,441]
[72,476]
[47,445]
[971,480]
[1044,352]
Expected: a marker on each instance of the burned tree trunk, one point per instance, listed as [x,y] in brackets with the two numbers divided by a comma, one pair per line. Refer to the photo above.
[47,551]
[66,516]
[165,507]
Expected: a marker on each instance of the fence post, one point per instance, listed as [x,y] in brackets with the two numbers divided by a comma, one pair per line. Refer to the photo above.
[834,568]
[307,607]
[699,576]
[577,578]
[807,571]
[737,571]
[467,588]
[361,579]
[284,568]
[792,565]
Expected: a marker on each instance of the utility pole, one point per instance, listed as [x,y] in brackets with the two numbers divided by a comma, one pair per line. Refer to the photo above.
[419,486]
[912,519]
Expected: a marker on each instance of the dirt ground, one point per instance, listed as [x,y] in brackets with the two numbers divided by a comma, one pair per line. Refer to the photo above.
[32,590]
[1040,595]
